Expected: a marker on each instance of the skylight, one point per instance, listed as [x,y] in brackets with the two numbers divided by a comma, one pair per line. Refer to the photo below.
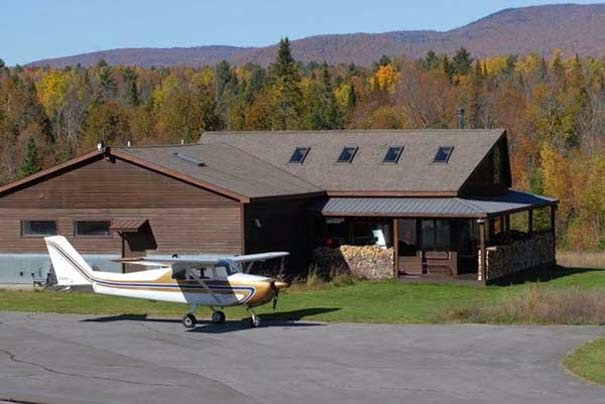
[299,155]
[189,159]
[347,154]
[443,154]
[393,154]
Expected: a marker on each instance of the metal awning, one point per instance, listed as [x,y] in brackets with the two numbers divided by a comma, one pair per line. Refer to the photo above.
[511,202]
[127,225]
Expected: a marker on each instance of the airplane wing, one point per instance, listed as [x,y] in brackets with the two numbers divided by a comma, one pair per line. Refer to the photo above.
[259,257]
[182,261]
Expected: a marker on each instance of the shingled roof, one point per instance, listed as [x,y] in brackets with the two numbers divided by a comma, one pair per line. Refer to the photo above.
[224,166]
[414,173]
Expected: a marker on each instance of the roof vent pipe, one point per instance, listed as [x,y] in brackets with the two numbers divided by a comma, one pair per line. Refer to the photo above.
[460,113]
[101,146]
[128,144]
[182,141]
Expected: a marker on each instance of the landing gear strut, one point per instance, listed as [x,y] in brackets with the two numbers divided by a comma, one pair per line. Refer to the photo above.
[254,318]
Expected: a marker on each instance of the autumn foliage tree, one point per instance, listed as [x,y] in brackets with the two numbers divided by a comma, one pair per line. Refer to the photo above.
[552,108]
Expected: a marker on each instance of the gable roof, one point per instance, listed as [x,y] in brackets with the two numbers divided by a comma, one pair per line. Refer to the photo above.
[54,170]
[414,174]
[222,166]
[254,165]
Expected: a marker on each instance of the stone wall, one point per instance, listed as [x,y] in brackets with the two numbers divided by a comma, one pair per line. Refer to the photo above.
[371,262]
[529,252]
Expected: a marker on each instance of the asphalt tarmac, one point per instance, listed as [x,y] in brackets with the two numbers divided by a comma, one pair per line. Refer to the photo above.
[46,358]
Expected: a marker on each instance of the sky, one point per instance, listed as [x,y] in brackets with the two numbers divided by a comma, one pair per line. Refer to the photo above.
[39,29]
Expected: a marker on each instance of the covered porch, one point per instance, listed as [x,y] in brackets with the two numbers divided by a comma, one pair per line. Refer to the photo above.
[465,238]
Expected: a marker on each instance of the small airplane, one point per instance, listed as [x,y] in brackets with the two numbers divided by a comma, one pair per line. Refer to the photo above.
[213,282]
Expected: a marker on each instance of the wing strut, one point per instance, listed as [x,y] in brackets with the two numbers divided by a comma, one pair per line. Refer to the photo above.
[191,273]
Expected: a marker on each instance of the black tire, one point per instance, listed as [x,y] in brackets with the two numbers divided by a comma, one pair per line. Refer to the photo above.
[189,320]
[218,317]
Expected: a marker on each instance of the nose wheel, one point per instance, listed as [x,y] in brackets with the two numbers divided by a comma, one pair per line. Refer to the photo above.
[254,318]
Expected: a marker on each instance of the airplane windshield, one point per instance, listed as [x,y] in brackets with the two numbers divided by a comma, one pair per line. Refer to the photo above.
[230,266]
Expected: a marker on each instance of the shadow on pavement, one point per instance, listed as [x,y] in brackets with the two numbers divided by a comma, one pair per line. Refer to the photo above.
[130,317]
[278,319]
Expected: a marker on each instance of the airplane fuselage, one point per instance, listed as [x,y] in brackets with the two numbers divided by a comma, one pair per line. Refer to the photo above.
[236,289]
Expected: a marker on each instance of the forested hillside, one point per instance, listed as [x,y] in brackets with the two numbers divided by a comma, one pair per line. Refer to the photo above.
[572,28]
[553,109]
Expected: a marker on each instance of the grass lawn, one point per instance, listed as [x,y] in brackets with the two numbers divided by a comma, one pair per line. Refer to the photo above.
[588,361]
[380,302]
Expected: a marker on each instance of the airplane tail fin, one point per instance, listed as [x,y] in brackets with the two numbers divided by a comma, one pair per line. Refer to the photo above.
[70,268]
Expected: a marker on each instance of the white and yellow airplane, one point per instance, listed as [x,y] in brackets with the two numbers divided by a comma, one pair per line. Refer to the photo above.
[213,282]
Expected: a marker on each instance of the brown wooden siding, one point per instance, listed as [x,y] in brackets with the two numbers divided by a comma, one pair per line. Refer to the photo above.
[112,184]
[182,230]
[481,182]
[284,228]
[183,218]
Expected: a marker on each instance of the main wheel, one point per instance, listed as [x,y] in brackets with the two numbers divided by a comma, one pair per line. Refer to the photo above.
[218,317]
[189,320]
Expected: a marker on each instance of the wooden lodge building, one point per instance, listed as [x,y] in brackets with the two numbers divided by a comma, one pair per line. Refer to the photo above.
[426,201]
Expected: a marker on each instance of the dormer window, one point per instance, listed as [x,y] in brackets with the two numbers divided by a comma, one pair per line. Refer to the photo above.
[393,154]
[299,155]
[443,154]
[347,154]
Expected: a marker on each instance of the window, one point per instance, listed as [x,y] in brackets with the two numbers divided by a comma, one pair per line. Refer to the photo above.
[435,234]
[299,155]
[38,228]
[347,154]
[93,228]
[443,154]
[393,154]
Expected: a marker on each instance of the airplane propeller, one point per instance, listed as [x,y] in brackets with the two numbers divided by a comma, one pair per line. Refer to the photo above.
[276,285]
[275,295]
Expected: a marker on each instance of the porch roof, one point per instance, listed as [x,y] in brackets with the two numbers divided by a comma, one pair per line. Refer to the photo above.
[511,202]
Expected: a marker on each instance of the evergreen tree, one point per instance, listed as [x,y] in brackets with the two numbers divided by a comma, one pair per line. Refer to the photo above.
[130,82]
[30,164]
[328,115]
[384,60]
[431,60]
[462,62]
[107,84]
[351,97]
[223,76]
[474,103]
[287,85]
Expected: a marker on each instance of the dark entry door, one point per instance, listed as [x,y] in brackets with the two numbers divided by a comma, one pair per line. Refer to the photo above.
[408,249]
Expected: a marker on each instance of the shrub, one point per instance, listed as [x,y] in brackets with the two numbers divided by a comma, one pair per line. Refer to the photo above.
[536,305]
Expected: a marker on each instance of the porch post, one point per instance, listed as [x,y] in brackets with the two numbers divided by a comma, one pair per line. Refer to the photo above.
[553,230]
[530,221]
[483,257]
[395,247]
[123,251]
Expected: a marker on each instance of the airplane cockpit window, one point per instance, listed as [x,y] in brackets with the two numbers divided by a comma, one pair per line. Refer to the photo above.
[229,266]
[193,274]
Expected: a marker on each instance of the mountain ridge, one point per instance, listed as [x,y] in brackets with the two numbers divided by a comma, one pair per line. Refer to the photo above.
[572,28]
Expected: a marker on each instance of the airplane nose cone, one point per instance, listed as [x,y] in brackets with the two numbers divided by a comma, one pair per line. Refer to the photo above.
[280,284]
